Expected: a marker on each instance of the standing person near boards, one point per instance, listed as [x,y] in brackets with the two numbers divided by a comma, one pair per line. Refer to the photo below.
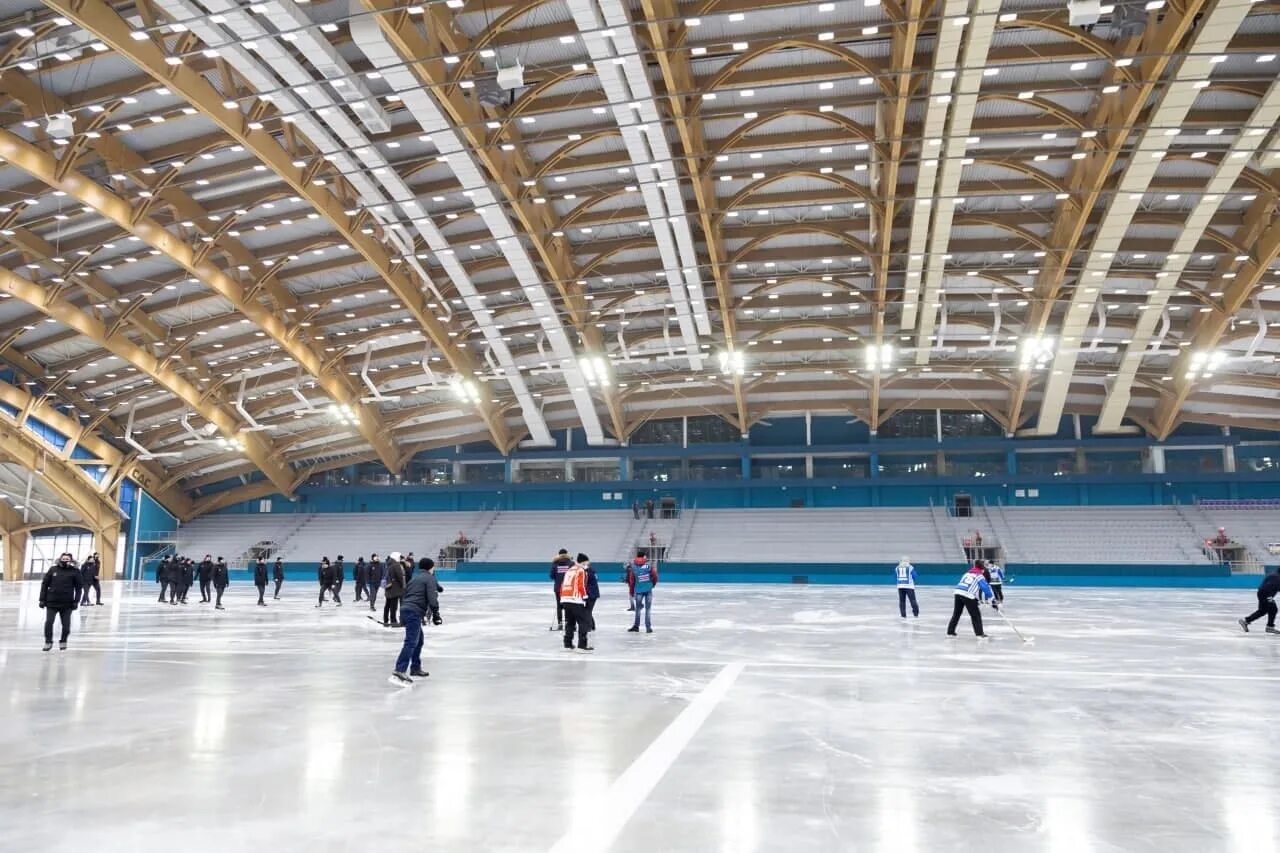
[339,570]
[905,575]
[59,595]
[361,577]
[277,575]
[394,591]
[220,580]
[376,575]
[205,576]
[260,580]
[644,577]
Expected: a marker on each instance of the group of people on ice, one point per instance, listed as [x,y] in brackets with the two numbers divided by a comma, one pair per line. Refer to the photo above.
[982,582]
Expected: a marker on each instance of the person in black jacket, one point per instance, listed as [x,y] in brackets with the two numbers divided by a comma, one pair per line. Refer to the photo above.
[188,577]
[395,590]
[173,576]
[416,598]
[220,580]
[277,575]
[89,578]
[206,577]
[375,581]
[1267,591]
[162,577]
[339,572]
[260,580]
[427,566]
[325,575]
[593,595]
[361,577]
[59,595]
[559,566]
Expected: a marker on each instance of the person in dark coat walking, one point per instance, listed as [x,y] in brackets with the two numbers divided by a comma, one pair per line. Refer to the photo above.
[59,595]
[188,578]
[162,577]
[376,575]
[417,596]
[89,578]
[327,578]
[360,574]
[395,590]
[260,580]
[173,576]
[206,577]
[220,580]
[277,574]
[339,575]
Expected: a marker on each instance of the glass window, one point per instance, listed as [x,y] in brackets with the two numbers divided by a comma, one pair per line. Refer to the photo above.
[1113,461]
[373,474]
[969,425]
[659,431]
[908,465]
[855,467]
[596,472]
[1201,461]
[976,465]
[489,472]
[428,472]
[918,424]
[44,549]
[1055,463]
[715,469]
[659,470]
[1257,457]
[710,429]
[777,469]
[540,472]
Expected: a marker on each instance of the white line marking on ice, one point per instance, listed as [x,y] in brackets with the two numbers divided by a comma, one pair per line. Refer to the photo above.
[596,829]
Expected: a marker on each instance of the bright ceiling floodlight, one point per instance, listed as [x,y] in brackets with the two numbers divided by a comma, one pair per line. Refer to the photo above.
[1205,362]
[595,370]
[879,357]
[465,389]
[1037,352]
[732,363]
[343,414]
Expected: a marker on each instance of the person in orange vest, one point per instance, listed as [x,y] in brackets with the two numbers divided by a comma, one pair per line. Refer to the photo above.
[573,600]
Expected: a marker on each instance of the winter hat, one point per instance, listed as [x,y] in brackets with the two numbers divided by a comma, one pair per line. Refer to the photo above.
[904,561]
[583,558]
[394,555]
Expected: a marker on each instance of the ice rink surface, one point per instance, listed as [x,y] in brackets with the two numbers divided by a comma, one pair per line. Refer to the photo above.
[755,718]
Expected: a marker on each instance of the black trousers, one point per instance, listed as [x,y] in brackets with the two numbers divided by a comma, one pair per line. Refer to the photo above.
[279,583]
[262,591]
[63,613]
[1267,608]
[360,590]
[905,595]
[220,590]
[559,606]
[575,617]
[205,584]
[164,586]
[96,587]
[389,608]
[372,589]
[591,617]
[964,603]
[997,589]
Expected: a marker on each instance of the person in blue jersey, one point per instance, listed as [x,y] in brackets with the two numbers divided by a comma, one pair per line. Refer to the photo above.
[905,574]
[645,578]
[970,591]
[995,577]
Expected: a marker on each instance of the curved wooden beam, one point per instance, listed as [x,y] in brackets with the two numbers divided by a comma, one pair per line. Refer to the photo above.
[802,228]
[848,57]
[755,187]
[838,120]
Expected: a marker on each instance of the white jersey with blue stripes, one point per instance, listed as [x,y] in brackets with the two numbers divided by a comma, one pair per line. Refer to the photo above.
[974,585]
[905,573]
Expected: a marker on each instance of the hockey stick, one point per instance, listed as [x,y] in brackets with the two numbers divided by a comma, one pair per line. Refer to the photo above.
[1009,622]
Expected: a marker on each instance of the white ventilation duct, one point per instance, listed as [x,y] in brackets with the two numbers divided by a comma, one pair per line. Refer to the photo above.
[631,98]
[367,35]
[1265,114]
[1209,38]
[335,132]
[978,32]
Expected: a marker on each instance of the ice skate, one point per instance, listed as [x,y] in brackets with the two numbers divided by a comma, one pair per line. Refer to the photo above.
[48,646]
[399,679]
[1244,625]
[419,673]
[1272,629]
[62,646]
[634,629]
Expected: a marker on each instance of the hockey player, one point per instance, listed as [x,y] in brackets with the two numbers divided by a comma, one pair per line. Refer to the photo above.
[996,579]
[260,580]
[1267,591]
[59,595]
[205,576]
[559,566]
[573,602]
[971,589]
[905,573]
[220,580]
[361,577]
[644,578]
[277,575]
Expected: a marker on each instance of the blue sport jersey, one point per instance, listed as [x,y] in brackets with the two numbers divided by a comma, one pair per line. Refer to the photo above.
[906,575]
[997,573]
[974,585]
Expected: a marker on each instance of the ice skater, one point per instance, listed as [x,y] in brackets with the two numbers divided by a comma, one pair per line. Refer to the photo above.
[995,576]
[629,576]
[339,570]
[360,575]
[205,576]
[376,576]
[427,566]
[417,597]
[188,578]
[174,575]
[89,578]
[559,566]
[394,590]
[573,602]
[277,575]
[593,595]
[260,580]
[905,573]
[59,595]
[1267,591]
[326,575]
[162,577]
[644,577]
[971,589]
[220,580]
